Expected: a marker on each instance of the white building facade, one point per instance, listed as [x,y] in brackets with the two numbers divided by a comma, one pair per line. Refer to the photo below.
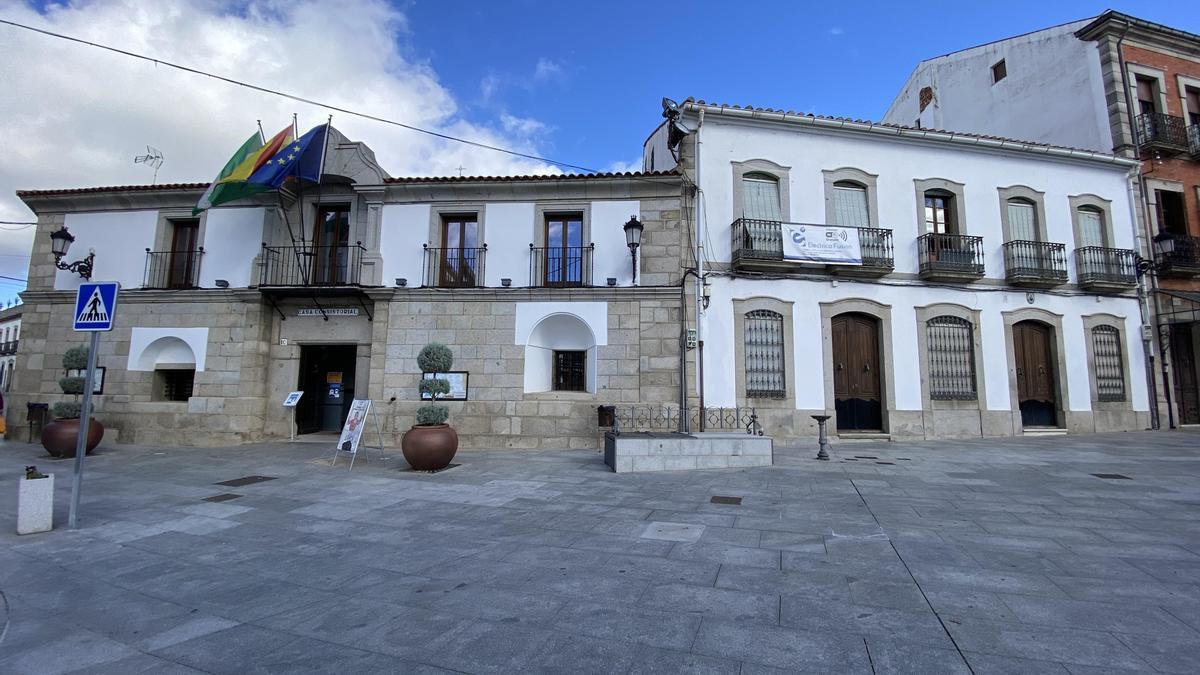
[10,339]
[995,294]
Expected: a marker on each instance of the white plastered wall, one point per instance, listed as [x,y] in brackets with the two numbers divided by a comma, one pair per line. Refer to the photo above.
[153,347]
[542,327]
[232,239]
[120,240]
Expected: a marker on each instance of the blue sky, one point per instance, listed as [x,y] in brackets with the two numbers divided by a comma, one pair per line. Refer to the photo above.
[607,64]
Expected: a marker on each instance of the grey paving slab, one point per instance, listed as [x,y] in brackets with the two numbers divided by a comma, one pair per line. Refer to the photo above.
[536,561]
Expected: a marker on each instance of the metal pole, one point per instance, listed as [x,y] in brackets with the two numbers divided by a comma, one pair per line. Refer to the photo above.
[81,444]
[822,438]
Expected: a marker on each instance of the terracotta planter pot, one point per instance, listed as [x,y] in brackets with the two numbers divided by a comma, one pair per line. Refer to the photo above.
[429,447]
[60,437]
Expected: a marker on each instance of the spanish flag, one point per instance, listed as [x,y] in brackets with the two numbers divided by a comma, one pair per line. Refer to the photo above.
[230,184]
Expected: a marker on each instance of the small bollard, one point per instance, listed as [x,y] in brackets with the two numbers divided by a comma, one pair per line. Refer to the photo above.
[822,439]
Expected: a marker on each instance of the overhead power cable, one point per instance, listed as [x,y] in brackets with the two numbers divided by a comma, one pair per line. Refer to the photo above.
[24,225]
[299,99]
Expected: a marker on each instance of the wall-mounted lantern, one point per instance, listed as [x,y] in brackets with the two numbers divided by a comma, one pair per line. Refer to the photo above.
[633,239]
[60,244]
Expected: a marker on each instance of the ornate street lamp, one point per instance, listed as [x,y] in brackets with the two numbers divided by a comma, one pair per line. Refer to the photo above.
[633,239]
[60,243]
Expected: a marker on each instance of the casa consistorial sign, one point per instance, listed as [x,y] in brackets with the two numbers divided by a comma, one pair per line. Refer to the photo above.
[827,244]
[327,311]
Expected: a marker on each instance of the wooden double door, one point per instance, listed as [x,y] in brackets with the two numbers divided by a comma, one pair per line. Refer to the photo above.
[857,394]
[1183,363]
[1037,391]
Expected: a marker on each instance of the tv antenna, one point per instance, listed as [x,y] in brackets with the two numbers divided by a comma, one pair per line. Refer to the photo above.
[152,158]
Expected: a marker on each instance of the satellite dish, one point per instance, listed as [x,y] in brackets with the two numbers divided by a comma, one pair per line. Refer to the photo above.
[152,158]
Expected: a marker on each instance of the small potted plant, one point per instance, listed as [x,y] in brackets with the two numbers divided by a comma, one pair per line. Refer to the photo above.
[61,436]
[35,502]
[431,443]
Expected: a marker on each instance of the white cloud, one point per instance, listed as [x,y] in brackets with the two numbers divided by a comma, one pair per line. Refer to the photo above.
[547,69]
[75,116]
[634,164]
[835,31]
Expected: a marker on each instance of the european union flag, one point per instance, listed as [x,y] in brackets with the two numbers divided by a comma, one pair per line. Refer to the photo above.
[300,160]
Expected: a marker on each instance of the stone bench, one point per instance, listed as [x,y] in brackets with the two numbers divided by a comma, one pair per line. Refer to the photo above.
[671,451]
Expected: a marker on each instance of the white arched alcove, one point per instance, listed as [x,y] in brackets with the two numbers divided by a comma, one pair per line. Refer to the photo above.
[154,348]
[544,329]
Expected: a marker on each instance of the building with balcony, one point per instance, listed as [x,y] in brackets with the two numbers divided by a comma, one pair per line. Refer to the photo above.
[10,340]
[1111,83]
[904,282]
[334,290]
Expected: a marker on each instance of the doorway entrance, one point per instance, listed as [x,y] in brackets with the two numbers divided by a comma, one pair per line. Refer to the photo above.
[1037,391]
[858,398]
[1183,362]
[327,379]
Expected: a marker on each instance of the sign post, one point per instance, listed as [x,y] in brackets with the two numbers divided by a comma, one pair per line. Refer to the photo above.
[290,402]
[95,309]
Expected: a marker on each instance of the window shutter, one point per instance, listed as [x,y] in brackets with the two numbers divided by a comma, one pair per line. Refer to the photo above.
[760,199]
[850,206]
[1110,368]
[1091,228]
[765,368]
[1022,221]
[951,347]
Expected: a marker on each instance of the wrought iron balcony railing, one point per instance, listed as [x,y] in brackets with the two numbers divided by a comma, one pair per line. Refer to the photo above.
[761,241]
[9,348]
[453,267]
[1100,268]
[172,269]
[950,256]
[560,266]
[1035,263]
[1183,260]
[1164,132]
[1193,134]
[339,265]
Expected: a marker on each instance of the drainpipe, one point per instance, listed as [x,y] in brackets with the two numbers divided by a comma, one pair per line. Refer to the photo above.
[1143,304]
[700,213]
[1149,234]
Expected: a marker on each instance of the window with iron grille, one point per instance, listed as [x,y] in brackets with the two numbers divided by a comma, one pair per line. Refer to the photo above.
[570,370]
[1110,367]
[951,346]
[173,385]
[765,369]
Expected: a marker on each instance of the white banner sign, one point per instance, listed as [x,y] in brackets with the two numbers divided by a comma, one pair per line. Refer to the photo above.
[828,244]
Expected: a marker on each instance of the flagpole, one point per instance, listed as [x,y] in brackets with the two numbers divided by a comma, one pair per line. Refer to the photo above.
[261,136]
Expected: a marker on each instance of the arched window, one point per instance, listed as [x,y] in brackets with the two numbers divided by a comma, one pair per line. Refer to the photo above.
[760,199]
[1022,220]
[939,212]
[765,369]
[1091,226]
[951,347]
[850,204]
[1109,364]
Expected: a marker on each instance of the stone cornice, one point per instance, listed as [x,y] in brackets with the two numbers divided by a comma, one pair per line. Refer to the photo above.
[378,294]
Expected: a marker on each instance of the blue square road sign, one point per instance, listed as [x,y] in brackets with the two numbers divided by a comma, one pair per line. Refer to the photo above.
[96,306]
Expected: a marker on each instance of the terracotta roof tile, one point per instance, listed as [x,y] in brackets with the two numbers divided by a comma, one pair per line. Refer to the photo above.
[112,188]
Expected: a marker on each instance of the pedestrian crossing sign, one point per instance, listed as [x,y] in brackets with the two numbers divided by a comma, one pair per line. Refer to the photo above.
[96,306]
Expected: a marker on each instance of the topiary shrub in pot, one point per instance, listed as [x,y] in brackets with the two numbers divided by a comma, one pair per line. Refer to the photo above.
[61,436]
[431,443]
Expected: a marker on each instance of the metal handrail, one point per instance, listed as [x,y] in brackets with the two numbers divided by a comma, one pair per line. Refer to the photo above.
[1157,128]
[172,269]
[1035,259]
[960,253]
[307,265]
[453,267]
[754,239]
[560,266]
[1098,264]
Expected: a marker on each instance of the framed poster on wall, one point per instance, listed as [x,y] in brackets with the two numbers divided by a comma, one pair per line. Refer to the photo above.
[97,384]
[458,385]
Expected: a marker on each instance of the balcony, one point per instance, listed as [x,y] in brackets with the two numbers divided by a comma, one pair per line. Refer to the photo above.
[1106,269]
[1040,264]
[758,246]
[9,348]
[172,270]
[1183,260]
[1165,133]
[453,267]
[950,257]
[560,266]
[1193,134]
[311,267]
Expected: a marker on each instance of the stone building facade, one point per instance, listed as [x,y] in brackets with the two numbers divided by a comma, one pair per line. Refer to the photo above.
[334,290]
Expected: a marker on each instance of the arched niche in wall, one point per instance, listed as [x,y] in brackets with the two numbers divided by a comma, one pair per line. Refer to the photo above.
[554,344]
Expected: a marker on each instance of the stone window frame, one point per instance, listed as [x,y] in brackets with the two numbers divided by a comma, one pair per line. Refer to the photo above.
[924,314]
[1104,206]
[312,206]
[167,217]
[1153,187]
[957,190]
[543,209]
[1136,69]
[765,166]
[742,307]
[883,314]
[869,181]
[1028,194]
[437,212]
[1091,321]
[1182,83]
[1057,355]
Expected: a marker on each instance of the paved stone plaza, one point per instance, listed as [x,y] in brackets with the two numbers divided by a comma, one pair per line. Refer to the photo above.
[984,556]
